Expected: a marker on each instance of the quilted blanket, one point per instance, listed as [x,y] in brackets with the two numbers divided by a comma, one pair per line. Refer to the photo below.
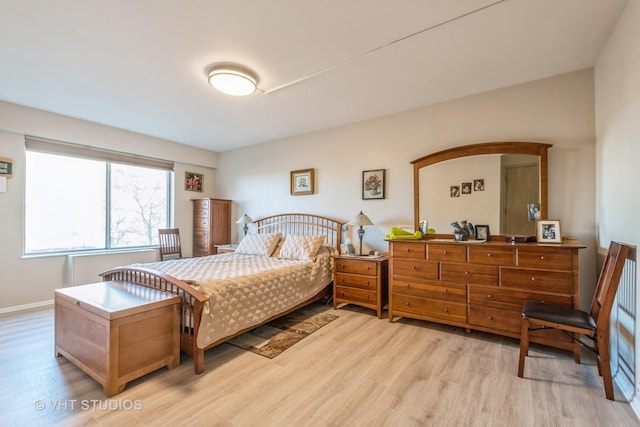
[246,290]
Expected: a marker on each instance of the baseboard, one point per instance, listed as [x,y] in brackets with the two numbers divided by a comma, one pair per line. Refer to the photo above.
[635,405]
[26,306]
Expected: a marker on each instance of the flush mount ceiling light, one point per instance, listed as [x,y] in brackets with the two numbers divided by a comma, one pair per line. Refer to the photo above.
[233,80]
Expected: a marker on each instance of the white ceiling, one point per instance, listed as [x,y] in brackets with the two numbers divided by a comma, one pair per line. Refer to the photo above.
[141,65]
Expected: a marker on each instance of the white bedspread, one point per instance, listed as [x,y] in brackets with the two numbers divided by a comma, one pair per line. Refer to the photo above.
[245,290]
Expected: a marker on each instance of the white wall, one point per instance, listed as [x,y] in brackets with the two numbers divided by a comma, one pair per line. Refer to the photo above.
[27,281]
[617,89]
[557,110]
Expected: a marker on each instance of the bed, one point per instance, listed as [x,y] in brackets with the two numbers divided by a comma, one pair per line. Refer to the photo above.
[228,294]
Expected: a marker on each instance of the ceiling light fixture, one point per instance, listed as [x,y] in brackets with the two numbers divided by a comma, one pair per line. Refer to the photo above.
[234,81]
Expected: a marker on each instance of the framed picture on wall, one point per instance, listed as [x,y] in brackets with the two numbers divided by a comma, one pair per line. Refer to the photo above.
[302,182]
[454,191]
[466,188]
[373,183]
[193,181]
[548,231]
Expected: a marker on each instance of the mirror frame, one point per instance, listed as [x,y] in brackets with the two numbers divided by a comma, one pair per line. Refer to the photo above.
[512,147]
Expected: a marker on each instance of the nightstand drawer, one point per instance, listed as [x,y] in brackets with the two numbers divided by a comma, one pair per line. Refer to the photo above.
[355,281]
[355,296]
[356,267]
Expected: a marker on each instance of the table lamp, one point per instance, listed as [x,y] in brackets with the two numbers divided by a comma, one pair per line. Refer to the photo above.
[361,220]
[246,220]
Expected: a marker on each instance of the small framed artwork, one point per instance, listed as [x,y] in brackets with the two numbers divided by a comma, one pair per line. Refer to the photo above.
[373,183]
[482,232]
[478,184]
[193,181]
[302,182]
[5,167]
[548,231]
[466,188]
[454,191]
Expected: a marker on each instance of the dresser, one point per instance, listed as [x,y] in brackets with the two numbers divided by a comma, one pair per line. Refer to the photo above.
[481,286]
[361,281]
[211,225]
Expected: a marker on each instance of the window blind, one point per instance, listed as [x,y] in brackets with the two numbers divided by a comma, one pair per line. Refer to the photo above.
[50,146]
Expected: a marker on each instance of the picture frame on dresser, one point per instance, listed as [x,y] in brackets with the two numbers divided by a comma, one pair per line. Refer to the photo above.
[482,232]
[548,231]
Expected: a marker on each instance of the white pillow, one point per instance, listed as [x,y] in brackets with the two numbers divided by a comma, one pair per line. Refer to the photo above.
[258,244]
[303,248]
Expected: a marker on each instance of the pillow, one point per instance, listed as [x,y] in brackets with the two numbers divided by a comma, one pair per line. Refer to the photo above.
[303,248]
[258,244]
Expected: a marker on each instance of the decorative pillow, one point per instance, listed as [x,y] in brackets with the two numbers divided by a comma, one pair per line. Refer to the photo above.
[303,248]
[258,244]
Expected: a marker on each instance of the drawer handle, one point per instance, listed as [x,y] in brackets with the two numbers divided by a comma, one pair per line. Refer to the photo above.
[542,257]
[445,290]
[408,285]
[367,297]
[446,310]
[444,252]
[367,283]
[413,267]
[341,293]
[490,317]
[533,278]
[408,304]
[489,254]
[466,272]
[489,296]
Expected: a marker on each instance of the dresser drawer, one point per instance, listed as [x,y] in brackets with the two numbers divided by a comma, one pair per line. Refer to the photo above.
[408,250]
[506,320]
[355,296]
[560,282]
[469,273]
[200,224]
[453,252]
[415,268]
[548,258]
[352,280]
[438,290]
[511,298]
[356,267]
[444,310]
[490,255]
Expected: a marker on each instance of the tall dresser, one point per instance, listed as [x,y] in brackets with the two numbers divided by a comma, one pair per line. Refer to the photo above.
[211,225]
[481,286]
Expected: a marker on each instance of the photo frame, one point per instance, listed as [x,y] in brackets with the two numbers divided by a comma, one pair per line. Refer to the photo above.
[466,188]
[533,210]
[373,184]
[478,184]
[302,182]
[548,231]
[454,191]
[482,232]
[193,181]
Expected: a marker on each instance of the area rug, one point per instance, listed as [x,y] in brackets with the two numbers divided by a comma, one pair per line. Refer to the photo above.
[273,338]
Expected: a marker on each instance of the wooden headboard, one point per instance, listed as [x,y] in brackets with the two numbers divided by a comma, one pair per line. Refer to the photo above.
[303,224]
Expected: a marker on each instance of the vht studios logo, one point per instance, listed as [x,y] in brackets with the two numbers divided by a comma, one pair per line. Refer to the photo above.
[89,405]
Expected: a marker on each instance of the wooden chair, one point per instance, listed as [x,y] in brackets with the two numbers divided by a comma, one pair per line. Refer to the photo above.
[593,325]
[170,247]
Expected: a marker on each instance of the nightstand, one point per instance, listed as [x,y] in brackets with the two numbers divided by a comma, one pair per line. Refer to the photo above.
[361,281]
[223,249]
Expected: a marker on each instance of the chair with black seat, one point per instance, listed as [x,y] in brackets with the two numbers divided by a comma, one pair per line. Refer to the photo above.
[170,247]
[576,323]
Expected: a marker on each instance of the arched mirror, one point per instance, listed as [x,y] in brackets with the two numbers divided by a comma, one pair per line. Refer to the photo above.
[499,184]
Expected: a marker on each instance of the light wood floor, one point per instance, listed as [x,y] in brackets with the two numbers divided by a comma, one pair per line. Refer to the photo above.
[356,371]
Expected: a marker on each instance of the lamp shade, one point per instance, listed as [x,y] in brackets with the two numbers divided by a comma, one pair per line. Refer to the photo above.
[233,81]
[361,219]
[244,219]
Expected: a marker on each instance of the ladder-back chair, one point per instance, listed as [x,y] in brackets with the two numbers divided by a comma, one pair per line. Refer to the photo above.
[170,247]
[576,323]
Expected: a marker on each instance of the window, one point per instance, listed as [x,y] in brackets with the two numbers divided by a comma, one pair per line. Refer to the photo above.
[81,199]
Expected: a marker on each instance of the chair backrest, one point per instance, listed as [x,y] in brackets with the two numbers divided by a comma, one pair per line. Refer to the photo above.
[170,243]
[608,283]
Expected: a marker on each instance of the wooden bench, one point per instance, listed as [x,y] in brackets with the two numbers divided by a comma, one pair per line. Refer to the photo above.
[117,331]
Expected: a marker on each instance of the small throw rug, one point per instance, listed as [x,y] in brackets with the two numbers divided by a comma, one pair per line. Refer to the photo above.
[273,338]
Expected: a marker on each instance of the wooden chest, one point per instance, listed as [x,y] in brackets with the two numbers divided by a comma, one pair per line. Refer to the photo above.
[117,332]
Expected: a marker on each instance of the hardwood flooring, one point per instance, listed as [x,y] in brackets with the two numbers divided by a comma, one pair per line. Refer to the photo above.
[356,371]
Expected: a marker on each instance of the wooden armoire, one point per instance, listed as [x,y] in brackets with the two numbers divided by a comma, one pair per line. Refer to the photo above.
[211,225]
